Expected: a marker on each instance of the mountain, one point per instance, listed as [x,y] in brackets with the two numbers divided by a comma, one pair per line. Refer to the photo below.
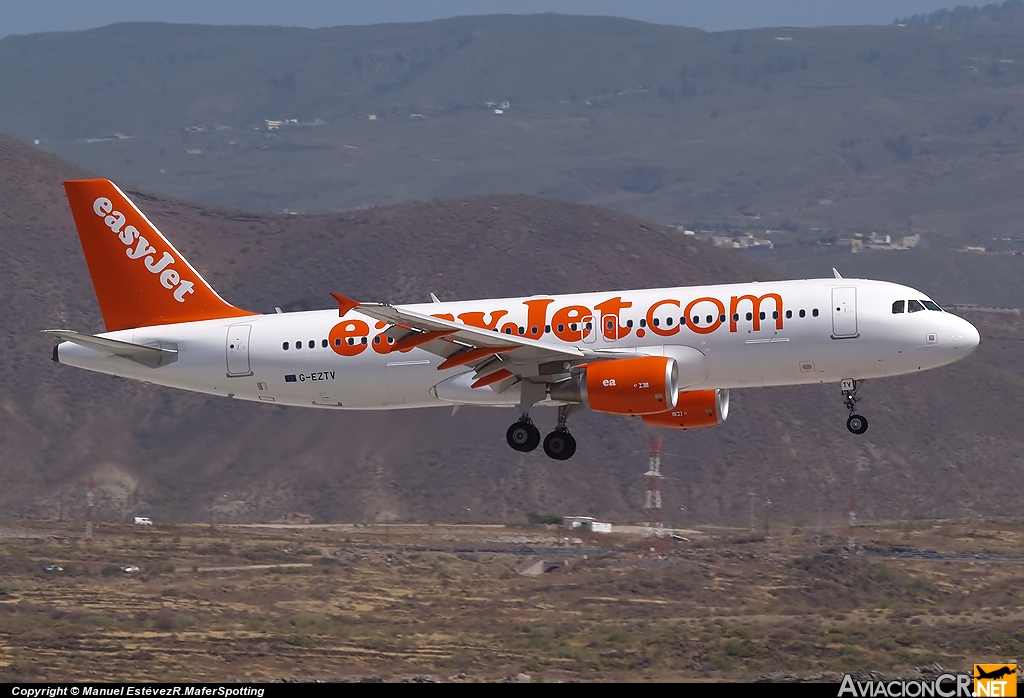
[939,443]
[890,129]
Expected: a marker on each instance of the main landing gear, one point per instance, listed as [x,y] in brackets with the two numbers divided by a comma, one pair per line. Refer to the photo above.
[524,437]
[560,444]
[857,424]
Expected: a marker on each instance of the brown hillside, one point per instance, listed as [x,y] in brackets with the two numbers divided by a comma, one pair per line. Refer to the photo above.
[177,456]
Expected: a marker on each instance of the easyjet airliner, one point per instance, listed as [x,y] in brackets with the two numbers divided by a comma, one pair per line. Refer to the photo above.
[669,356]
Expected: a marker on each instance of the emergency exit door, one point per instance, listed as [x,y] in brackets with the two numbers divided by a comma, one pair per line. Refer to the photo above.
[844,312]
[237,349]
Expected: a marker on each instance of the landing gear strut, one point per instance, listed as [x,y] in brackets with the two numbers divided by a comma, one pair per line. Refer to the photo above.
[857,424]
[560,444]
[523,436]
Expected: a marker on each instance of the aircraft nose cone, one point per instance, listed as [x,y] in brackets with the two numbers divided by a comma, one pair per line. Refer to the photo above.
[971,337]
[965,337]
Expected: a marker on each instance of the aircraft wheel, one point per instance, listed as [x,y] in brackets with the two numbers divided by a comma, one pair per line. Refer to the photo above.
[857,424]
[559,445]
[523,436]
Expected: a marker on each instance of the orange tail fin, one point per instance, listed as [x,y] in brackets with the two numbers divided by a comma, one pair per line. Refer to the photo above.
[140,279]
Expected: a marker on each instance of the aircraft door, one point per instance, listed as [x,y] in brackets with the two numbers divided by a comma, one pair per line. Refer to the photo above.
[609,328]
[236,346]
[589,328]
[844,312]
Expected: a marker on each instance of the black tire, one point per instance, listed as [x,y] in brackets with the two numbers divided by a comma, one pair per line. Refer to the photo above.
[857,424]
[523,437]
[559,445]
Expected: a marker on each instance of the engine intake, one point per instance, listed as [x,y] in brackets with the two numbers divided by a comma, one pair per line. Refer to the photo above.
[642,385]
[694,409]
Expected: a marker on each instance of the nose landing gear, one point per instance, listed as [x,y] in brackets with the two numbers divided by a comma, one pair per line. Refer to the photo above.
[857,424]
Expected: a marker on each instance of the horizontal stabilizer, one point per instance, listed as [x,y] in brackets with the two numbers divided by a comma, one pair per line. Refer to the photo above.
[151,356]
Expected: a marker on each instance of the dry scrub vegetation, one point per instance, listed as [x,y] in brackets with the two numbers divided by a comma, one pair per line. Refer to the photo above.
[448,601]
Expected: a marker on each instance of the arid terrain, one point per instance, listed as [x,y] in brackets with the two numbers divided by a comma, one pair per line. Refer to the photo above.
[451,602]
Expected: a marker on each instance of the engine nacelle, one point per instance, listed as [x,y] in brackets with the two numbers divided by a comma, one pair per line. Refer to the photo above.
[642,385]
[694,409]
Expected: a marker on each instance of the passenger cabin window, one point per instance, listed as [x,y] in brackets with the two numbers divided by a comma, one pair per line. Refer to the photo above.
[285,346]
[323,342]
[931,306]
[789,314]
[914,306]
[897,307]
[312,344]
[814,312]
[803,313]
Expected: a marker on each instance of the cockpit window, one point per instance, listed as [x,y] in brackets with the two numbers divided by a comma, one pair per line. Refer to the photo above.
[897,307]
[931,305]
[914,306]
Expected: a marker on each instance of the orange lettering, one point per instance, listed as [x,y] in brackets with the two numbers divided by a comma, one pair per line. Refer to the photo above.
[755,302]
[382,344]
[650,318]
[613,306]
[348,337]
[565,318]
[536,316]
[713,326]
[476,319]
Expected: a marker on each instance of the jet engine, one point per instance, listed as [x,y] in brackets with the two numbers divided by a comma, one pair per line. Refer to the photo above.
[694,409]
[642,385]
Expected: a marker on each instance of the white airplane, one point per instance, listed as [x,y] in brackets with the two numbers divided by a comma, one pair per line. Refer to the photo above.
[669,356]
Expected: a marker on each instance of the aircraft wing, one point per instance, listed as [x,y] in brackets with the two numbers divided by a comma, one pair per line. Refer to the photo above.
[495,356]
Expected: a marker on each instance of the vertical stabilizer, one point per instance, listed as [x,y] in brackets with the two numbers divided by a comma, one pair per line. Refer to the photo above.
[140,279]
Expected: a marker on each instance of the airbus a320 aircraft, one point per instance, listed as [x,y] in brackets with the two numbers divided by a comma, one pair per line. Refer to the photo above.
[669,356]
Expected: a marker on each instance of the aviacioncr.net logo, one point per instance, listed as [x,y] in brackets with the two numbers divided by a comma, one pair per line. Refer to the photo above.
[945,686]
[995,680]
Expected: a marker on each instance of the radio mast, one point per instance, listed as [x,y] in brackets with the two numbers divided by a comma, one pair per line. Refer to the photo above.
[653,525]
